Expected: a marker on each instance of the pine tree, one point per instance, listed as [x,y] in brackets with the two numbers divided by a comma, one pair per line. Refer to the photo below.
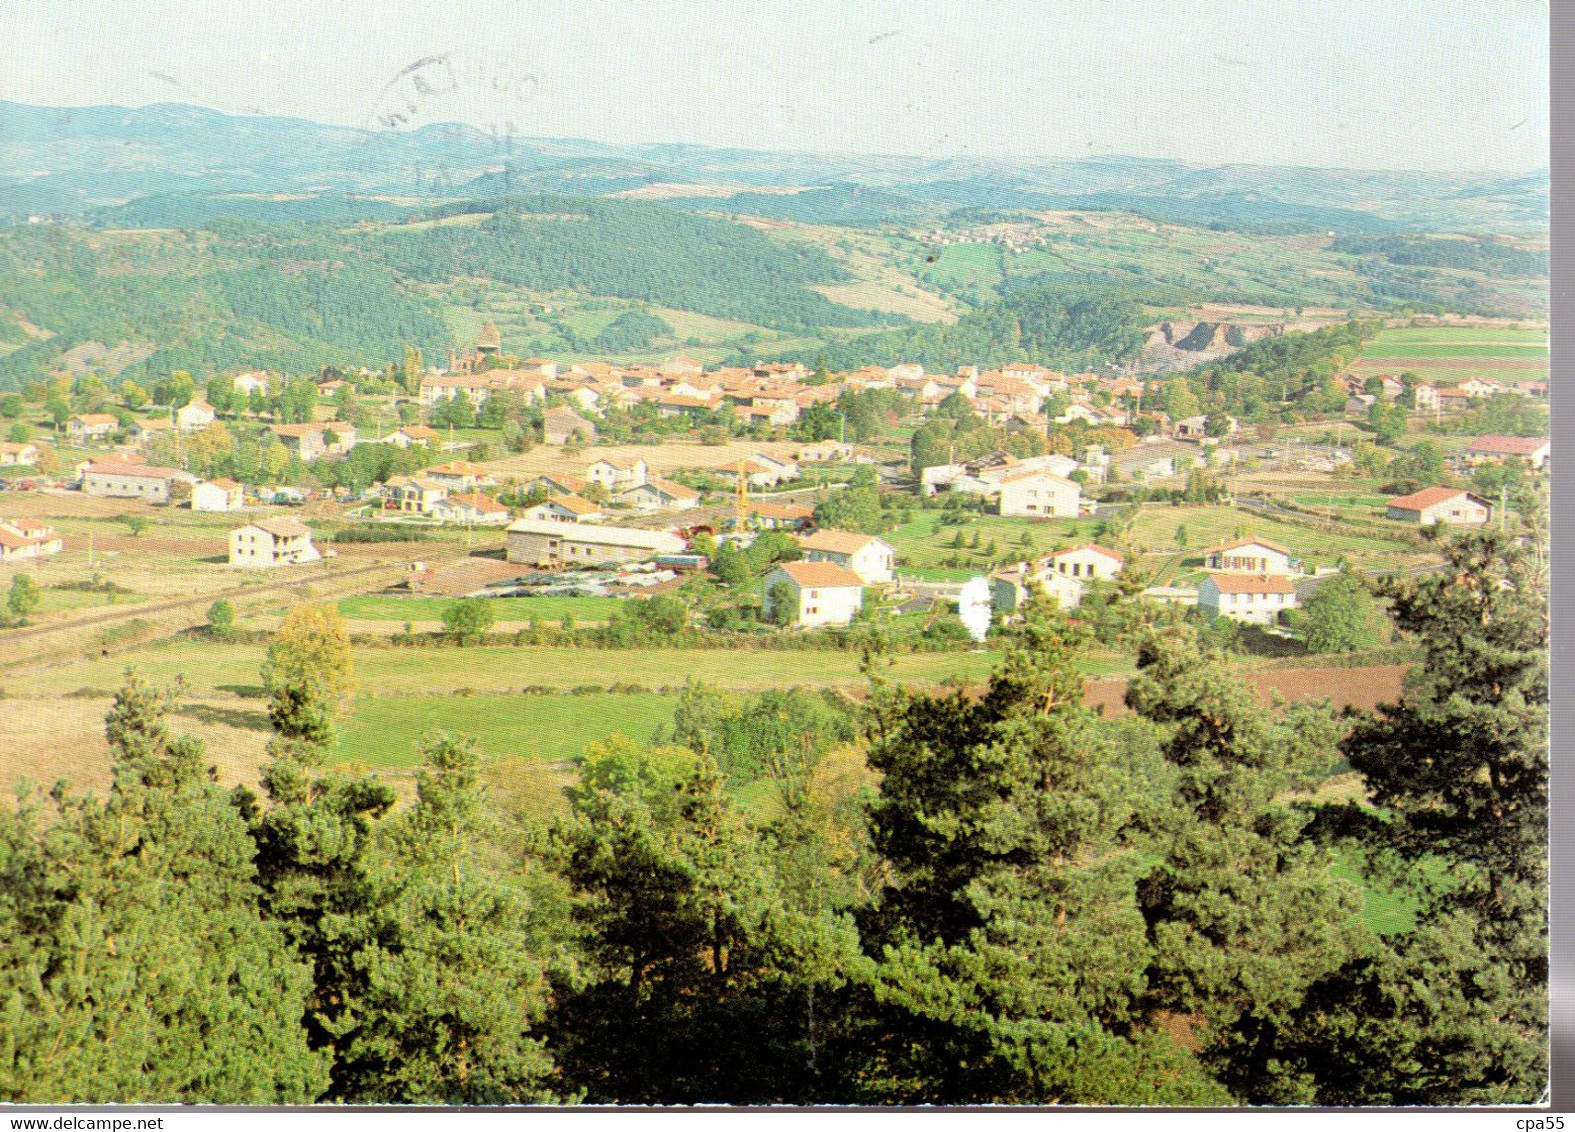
[695,972]
[451,994]
[1242,908]
[1455,1010]
[1006,951]
[137,966]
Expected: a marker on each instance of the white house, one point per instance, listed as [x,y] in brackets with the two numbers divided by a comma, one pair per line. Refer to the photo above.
[1247,598]
[661,495]
[414,495]
[1487,449]
[1039,494]
[617,474]
[283,541]
[194,417]
[19,455]
[1434,505]
[1011,588]
[469,508]
[545,541]
[406,435]
[1249,556]
[28,538]
[566,509]
[460,475]
[867,556]
[248,383]
[1085,562]
[216,495]
[91,426]
[819,593]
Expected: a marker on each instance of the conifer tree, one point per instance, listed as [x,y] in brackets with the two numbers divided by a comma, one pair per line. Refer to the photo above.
[137,966]
[1006,950]
[451,993]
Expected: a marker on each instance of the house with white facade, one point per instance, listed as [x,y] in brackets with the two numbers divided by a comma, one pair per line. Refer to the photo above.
[566,509]
[1039,494]
[194,416]
[872,559]
[91,426]
[1252,599]
[1433,505]
[28,538]
[657,494]
[471,507]
[818,593]
[1085,563]
[1011,588]
[414,495]
[1250,556]
[217,495]
[283,541]
[618,474]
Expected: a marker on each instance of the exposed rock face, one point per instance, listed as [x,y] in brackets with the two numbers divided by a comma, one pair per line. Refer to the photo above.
[1173,346]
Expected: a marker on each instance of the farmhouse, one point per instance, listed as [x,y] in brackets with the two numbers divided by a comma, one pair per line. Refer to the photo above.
[1251,600]
[91,426]
[19,455]
[122,480]
[1434,505]
[1085,562]
[617,474]
[27,538]
[308,442]
[867,556]
[1496,449]
[267,543]
[216,495]
[661,495]
[406,435]
[1249,556]
[248,383]
[1039,494]
[818,593]
[469,508]
[194,416]
[566,509]
[544,541]
[141,432]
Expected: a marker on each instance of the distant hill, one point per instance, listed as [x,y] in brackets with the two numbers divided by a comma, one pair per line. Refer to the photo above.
[76,159]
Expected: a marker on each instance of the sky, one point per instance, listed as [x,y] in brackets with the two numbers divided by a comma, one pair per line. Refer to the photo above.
[1381,84]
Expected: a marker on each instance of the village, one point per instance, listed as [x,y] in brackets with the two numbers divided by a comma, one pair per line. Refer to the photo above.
[567,499]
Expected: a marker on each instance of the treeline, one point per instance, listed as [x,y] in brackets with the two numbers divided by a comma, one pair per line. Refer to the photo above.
[1492,257]
[998,898]
[1066,329]
[632,250]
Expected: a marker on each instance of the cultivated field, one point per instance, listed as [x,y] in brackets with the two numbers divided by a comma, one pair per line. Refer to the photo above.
[1451,354]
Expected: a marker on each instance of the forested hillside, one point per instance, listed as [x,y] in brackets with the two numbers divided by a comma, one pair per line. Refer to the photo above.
[1065,329]
[632,250]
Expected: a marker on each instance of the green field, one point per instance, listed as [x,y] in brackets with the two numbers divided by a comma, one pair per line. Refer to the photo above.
[1432,335]
[1402,350]
[208,667]
[1422,349]
[375,607]
[1155,527]
[923,549]
[383,731]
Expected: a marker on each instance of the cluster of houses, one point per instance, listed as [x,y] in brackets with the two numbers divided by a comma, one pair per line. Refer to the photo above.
[1435,398]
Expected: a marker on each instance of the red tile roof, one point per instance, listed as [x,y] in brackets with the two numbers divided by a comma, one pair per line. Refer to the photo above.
[1427,497]
[820,575]
[1252,584]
